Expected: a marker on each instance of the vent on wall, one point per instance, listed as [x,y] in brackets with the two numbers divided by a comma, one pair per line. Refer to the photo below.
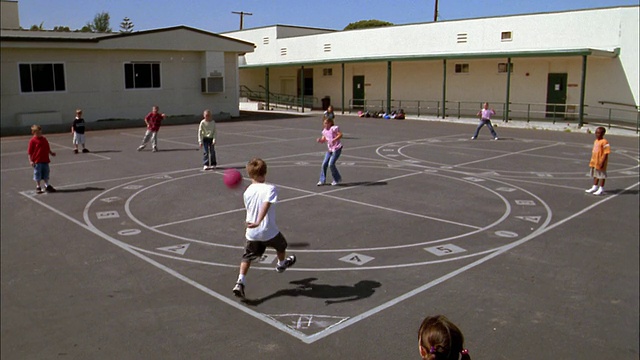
[462,38]
[265,40]
[327,47]
[283,51]
[212,84]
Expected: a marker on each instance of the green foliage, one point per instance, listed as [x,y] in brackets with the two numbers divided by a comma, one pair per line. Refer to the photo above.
[365,24]
[126,26]
[37,27]
[61,28]
[100,23]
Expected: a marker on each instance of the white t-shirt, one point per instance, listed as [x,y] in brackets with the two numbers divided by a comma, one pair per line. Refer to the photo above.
[254,197]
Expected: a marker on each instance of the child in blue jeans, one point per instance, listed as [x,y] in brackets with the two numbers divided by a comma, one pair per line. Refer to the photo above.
[331,135]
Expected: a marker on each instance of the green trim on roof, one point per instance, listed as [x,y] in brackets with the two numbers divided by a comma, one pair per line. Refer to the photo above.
[450,56]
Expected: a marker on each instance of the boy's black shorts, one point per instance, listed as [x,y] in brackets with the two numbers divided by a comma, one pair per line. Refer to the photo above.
[254,249]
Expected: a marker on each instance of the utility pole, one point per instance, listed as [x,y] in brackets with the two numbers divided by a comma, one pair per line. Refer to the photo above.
[435,13]
[242,14]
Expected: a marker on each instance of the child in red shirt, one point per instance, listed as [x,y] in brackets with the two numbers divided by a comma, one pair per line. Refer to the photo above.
[39,151]
[153,121]
[599,161]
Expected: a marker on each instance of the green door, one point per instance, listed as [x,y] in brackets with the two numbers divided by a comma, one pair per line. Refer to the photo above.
[556,95]
[358,92]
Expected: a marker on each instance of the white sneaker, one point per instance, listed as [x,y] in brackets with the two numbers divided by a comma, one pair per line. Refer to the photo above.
[334,183]
[600,191]
[593,188]
[495,138]
[473,138]
[140,147]
[320,183]
[205,167]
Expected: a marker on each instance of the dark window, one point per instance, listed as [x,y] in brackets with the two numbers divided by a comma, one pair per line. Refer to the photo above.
[462,68]
[41,77]
[141,75]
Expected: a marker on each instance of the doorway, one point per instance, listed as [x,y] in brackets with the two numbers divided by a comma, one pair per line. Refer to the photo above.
[556,95]
[358,92]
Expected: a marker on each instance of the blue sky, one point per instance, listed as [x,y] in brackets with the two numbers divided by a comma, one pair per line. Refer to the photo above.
[216,15]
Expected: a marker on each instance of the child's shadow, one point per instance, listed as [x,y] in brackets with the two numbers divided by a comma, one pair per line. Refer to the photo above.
[363,183]
[621,192]
[88,188]
[333,293]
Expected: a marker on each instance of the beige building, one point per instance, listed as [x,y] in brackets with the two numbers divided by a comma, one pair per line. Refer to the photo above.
[572,64]
[46,75]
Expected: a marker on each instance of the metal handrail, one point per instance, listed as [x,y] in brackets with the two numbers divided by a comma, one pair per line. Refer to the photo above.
[612,117]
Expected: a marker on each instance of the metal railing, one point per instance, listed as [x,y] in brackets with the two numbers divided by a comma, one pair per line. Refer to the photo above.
[626,117]
[277,100]
[609,116]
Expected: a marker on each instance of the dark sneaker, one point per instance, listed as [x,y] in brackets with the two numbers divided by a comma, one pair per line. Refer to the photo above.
[288,262]
[39,190]
[75,151]
[49,189]
[85,150]
[238,290]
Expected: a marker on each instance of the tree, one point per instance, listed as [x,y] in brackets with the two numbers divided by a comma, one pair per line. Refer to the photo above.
[37,27]
[61,28]
[126,26]
[365,24]
[100,23]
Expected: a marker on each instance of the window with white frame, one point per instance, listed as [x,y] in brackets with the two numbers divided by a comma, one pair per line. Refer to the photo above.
[506,36]
[42,77]
[462,68]
[142,75]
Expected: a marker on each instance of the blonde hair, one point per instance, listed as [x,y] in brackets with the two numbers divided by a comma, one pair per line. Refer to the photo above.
[256,168]
[35,128]
[78,111]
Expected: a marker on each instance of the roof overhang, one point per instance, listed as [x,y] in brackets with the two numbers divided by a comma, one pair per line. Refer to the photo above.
[451,56]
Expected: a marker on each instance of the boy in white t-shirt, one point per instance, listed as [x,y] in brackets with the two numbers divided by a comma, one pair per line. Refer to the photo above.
[262,232]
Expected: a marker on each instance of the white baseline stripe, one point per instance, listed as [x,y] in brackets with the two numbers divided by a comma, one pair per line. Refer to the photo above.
[507,154]
[355,319]
[176,274]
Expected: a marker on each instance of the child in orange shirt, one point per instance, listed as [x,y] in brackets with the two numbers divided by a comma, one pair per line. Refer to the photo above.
[598,163]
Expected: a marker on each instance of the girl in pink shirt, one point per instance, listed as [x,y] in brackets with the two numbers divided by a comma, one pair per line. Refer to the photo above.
[331,134]
[485,119]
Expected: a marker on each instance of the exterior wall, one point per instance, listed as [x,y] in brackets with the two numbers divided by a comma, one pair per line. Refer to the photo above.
[530,32]
[95,83]
[630,53]
[417,51]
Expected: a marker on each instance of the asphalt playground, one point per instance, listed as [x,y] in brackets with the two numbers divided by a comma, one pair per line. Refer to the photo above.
[136,254]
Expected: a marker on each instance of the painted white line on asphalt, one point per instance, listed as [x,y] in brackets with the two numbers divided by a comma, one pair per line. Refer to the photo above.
[377,309]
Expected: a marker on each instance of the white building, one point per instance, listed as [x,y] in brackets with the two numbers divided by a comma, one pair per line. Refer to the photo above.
[582,63]
[47,75]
